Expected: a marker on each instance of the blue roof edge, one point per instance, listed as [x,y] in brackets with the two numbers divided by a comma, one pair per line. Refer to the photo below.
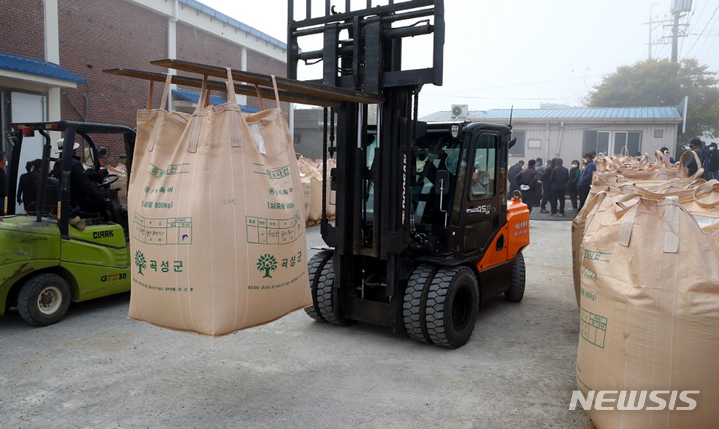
[233,22]
[194,97]
[650,112]
[35,67]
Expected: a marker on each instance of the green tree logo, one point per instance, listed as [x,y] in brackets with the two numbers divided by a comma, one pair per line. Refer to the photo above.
[268,263]
[140,261]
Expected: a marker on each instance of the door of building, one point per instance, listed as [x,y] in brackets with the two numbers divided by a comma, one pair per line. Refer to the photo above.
[28,108]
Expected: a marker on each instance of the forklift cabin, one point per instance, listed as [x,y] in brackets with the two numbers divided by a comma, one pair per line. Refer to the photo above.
[45,262]
[424,231]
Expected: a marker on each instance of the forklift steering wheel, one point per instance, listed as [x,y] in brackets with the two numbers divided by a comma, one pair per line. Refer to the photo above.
[110,179]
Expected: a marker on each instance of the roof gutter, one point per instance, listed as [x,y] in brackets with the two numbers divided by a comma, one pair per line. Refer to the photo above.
[585,120]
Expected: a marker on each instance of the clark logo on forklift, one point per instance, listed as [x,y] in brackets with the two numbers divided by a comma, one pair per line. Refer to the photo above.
[103,234]
[486,209]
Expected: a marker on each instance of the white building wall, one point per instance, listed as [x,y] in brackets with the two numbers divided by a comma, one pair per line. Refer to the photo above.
[571,145]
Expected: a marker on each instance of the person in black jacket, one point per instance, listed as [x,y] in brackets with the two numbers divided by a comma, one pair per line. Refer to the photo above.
[546,186]
[28,186]
[527,181]
[512,173]
[689,162]
[713,164]
[558,181]
[85,197]
[3,182]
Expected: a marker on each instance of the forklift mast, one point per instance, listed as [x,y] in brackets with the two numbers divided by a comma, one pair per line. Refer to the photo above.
[362,50]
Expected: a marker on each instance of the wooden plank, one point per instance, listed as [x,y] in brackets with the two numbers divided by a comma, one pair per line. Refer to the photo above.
[214,85]
[296,86]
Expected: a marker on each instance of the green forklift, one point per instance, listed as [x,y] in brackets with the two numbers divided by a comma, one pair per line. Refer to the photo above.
[58,251]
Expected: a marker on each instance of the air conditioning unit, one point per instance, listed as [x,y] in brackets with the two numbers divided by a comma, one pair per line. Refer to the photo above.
[460,111]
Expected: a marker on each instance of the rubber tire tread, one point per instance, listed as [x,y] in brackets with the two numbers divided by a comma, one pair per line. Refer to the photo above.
[314,267]
[27,299]
[415,301]
[325,291]
[517,281]
[437,305]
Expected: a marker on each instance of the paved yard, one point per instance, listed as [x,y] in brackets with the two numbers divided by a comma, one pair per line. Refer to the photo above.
[97,369]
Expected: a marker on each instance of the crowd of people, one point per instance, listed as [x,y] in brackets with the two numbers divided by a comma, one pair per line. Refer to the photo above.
[541,184]
[708,158]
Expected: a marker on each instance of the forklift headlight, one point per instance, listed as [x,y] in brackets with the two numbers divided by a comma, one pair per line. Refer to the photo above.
[454,129]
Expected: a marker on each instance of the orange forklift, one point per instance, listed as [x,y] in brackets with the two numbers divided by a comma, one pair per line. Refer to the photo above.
[424,230]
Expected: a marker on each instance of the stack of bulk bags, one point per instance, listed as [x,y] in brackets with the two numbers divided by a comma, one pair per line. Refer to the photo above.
[217,236]
[308,169]
[649,303]
[312,169]
[306,195]
[615,178]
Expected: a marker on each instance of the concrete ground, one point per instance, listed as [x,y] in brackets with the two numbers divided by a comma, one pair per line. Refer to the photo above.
[98,369]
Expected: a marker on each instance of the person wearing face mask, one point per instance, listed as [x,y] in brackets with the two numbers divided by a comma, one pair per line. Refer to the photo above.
[574,174]
[713,162]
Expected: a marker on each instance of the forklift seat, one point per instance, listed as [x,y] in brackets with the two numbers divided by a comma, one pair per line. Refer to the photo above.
[52,195]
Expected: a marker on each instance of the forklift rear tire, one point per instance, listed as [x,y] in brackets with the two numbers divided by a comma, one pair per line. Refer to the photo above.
[315,265]
[44,299]
[515,293]
[415,302]
[452,305]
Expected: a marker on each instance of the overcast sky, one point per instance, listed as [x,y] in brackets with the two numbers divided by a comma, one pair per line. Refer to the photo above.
[503,53]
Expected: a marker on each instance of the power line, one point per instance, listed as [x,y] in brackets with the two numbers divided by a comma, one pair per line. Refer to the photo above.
[702,32]
[710,46]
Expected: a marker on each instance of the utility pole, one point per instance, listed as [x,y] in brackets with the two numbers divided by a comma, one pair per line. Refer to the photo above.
[651,30]
[675,35]
[678,8]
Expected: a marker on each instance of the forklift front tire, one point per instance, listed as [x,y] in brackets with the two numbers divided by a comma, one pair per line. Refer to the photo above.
[517,281]
[452,305]
[322,283]
[315,265]
[415,302]
[44,299]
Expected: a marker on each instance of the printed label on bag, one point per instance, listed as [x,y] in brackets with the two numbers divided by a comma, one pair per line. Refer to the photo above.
[274,174]
[162,230]
[589,273]
[593,328]
[596,256]
[169,171]
[262,230]
[278,286]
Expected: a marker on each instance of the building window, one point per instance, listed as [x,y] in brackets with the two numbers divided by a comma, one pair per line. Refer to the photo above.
[518,148]
[634,142]
[612,142]
[658,134]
